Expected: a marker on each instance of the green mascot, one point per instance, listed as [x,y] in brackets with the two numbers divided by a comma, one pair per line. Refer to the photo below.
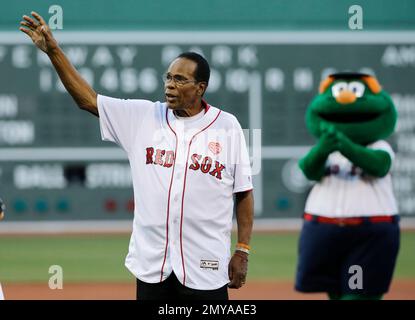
[349,241]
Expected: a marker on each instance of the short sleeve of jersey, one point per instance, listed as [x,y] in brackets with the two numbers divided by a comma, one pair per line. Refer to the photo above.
[120,119]
[383,145]
[242,171]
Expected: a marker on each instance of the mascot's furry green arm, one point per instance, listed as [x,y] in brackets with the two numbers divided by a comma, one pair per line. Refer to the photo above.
[350,112]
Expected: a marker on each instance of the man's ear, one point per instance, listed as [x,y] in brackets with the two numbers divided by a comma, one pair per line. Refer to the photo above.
[202,88]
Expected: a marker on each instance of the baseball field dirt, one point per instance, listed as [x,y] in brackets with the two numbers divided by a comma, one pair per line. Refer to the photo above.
[254,290]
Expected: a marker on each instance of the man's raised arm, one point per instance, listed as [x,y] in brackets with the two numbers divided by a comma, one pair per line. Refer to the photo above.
[41,35]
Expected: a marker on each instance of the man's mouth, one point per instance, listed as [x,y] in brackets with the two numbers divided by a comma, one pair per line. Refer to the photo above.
[170,97]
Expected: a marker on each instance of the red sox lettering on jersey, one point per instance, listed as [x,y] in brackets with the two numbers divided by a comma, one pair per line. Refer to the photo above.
[166,158]
[185,173]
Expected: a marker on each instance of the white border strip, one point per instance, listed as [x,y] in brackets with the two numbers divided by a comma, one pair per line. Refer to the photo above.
[61,154]
[107,154]
[61,227]
[255,122]
[219,37]
[125,226]
[284,152]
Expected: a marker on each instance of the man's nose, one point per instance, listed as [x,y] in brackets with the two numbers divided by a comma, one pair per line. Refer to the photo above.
[169,85]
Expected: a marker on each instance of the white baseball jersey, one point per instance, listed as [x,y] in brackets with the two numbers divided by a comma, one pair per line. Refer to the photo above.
[348,192]
[184,173]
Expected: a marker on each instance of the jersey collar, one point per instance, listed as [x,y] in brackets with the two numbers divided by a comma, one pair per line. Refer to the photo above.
[211,113]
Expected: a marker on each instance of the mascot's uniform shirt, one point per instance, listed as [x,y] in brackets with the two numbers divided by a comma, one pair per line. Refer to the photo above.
[184,174]
[346,192]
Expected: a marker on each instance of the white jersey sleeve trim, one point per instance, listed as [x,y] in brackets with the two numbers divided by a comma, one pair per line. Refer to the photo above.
[248,187]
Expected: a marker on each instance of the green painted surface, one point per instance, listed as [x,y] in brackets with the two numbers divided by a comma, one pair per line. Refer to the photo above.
[217,14]
[101,258]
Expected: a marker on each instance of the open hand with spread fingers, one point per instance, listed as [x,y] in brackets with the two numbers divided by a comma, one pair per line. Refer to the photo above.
[40,33]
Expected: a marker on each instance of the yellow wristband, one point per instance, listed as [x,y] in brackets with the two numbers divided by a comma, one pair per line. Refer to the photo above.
[243,245]
[242,250]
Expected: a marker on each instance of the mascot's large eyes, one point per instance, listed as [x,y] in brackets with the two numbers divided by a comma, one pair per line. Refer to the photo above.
[357,88]
[339,87]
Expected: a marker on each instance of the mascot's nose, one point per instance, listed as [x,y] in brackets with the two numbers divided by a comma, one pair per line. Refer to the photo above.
[346,97]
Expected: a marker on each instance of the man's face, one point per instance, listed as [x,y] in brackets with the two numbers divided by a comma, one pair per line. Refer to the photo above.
[185,91]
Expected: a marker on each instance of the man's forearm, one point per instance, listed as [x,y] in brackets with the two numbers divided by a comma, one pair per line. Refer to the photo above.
[244,215]
[84,96]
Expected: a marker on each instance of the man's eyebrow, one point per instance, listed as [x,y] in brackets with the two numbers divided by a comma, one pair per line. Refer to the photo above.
[179,76]
[175,75]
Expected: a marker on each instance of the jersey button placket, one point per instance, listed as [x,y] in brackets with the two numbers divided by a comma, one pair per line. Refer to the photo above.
[176,196]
